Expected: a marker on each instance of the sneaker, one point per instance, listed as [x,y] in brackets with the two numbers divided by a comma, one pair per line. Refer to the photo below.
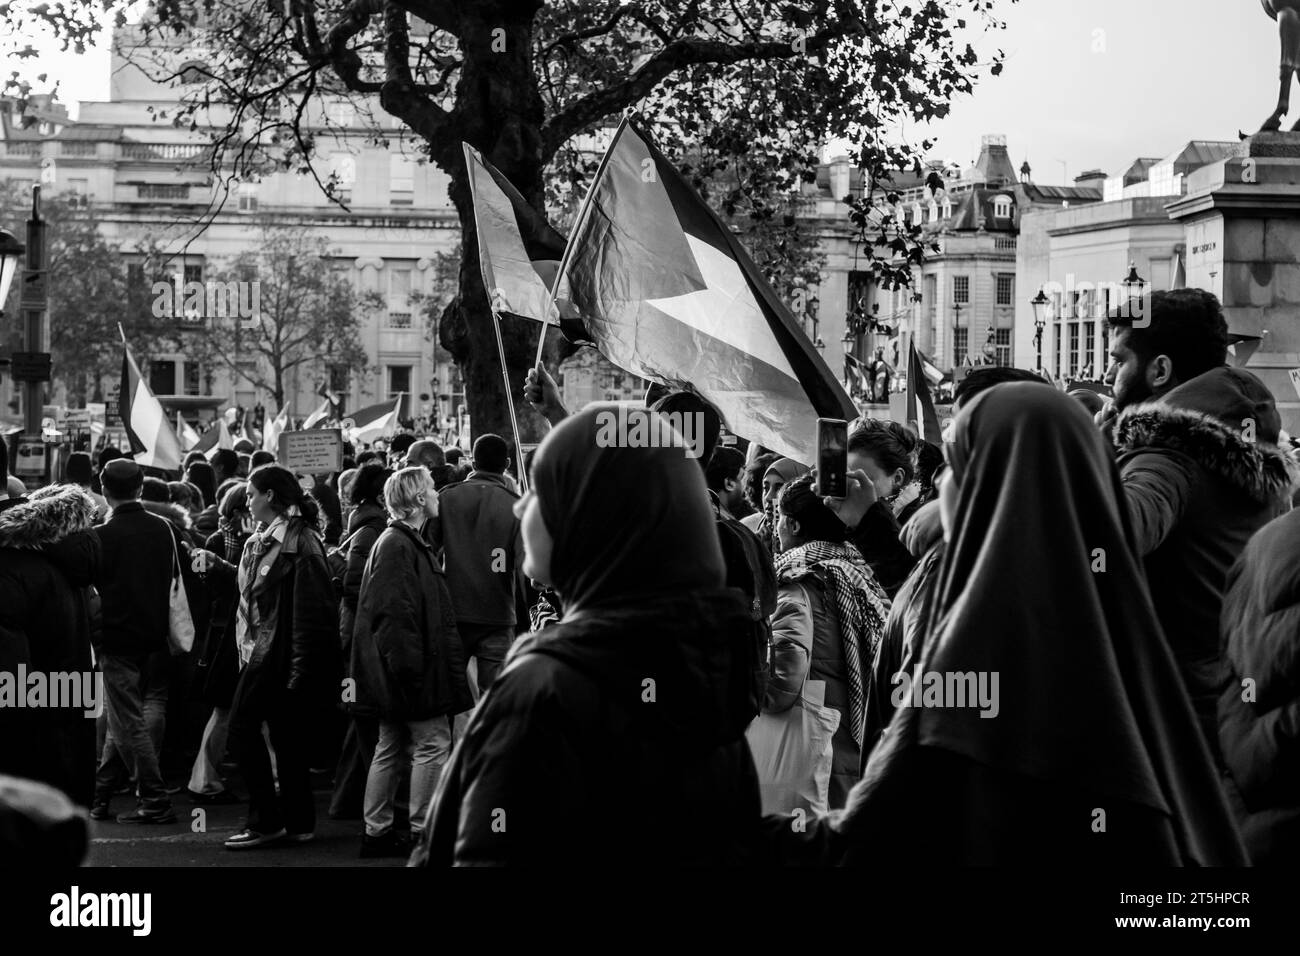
[299,837]
[147,816]
[386,845]
[221,798]
[248,839]
[100,811]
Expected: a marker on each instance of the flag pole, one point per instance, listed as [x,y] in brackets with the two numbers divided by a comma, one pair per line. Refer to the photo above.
[510,400]
[577,228]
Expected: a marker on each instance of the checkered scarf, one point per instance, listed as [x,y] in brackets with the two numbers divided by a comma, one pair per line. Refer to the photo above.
[860,604]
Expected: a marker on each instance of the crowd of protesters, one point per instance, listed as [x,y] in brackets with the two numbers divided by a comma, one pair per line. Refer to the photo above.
[1068,634]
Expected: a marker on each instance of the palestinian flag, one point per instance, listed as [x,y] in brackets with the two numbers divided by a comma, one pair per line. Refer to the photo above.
[518,250]
[319,417]
[271,438]
[148,429]
[668,293]
[919,404]
[373,422]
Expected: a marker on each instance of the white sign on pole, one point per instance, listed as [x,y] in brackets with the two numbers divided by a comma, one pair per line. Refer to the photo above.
[316,451]
[30,460]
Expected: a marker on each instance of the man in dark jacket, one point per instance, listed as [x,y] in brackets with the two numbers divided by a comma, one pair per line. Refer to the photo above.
[134,583]
[48,558]
[483,552]
[1259,712]
[1197,447]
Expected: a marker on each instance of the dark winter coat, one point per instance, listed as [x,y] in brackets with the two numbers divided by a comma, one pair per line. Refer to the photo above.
[407,657]
[297,647]
[1197,487]
[908,623]
[134,580]
[1260,736]
[48,559]
[876,536]
[482,547]
[217,659]
[364,528]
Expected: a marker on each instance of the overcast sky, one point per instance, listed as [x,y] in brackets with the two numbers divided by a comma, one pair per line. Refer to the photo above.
[1095,83]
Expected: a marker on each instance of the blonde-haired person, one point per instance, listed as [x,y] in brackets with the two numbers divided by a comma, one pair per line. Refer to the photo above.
[407,660]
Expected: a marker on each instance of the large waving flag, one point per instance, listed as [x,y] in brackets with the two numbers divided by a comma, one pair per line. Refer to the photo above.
[668,293]
[919,404]
[148,429]
[519,251]
[320,416]
[187,435]
[217,436]
[373,422]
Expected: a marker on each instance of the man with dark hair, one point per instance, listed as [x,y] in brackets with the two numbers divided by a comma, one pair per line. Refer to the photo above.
[1197,453]
[134,583]
[80,472]
[725,476]
[985,377]
[483,552]
[678,405]
[401,445]
[225,462]
[259,459]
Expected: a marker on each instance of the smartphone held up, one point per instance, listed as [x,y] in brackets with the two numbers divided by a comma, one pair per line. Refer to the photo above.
[832,457]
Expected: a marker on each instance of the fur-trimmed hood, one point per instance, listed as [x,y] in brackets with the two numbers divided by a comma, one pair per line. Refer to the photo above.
[1226,421]
[174,513]
[47,517]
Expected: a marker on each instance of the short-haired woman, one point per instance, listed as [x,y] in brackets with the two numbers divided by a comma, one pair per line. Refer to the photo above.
[407,661]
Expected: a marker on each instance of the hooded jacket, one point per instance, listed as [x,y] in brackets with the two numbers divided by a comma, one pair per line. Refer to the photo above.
[48,559]
[1259,711]
[635,703]
[1201,473]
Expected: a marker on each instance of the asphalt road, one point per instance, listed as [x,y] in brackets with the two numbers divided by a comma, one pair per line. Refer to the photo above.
[196,839]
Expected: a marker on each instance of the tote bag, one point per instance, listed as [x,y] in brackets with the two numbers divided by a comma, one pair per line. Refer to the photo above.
[792,753]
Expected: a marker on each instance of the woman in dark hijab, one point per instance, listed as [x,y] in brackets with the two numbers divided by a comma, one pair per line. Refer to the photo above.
[602,727]
[1087,751]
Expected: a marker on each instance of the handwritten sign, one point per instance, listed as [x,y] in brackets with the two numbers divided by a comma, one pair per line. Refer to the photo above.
[316,451]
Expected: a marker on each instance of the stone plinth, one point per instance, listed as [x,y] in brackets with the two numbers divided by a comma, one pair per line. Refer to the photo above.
[1242,221]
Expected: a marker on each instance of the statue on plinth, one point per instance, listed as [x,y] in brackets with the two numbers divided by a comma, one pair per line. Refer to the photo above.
[1287,15]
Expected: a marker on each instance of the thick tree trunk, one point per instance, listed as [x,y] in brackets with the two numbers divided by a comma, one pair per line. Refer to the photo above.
[499,112]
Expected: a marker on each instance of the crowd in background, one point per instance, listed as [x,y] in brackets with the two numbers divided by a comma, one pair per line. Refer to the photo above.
[649,656]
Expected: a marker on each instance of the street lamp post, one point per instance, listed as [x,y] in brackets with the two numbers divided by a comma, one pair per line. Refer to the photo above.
[1134,288]
[1040,303]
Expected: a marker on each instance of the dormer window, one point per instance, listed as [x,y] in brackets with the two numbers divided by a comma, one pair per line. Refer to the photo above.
[1002,207]
[934,211]
[916,214]
[946,209]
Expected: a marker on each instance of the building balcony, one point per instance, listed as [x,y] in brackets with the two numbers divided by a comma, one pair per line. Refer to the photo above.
[164,152]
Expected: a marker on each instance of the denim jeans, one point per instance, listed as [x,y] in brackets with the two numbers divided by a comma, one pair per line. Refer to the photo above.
[488,644]
[136,689]
[431,746]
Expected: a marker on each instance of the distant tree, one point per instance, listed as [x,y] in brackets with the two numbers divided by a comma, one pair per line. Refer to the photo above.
[308,314]
[89,296]
[760,83]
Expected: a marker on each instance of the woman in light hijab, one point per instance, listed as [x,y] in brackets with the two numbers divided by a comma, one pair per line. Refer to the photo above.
[1086,750]
[763,523]
[602,727]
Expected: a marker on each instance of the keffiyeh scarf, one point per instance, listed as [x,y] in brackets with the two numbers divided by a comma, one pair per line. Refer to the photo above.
[860,604]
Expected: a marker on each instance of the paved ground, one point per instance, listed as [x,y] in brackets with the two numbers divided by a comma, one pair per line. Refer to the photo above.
[196,839]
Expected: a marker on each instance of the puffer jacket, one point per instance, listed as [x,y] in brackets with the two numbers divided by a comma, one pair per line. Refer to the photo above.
[1201,473]
[1259,712]
[48,560]
[806,626]
[407,658]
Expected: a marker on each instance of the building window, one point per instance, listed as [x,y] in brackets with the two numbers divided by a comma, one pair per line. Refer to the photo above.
[959,339]
[399,297]
[401,181]
[193,376]
[946,209]
[162,378]
[932,298]
[163,191]
[1002,207]
[247,197]
[1072,369]
[933,212]
[1002,342]
[342,113]
[917,215]
[1089,349]
[961,290]
[399,380]
[1006,284]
